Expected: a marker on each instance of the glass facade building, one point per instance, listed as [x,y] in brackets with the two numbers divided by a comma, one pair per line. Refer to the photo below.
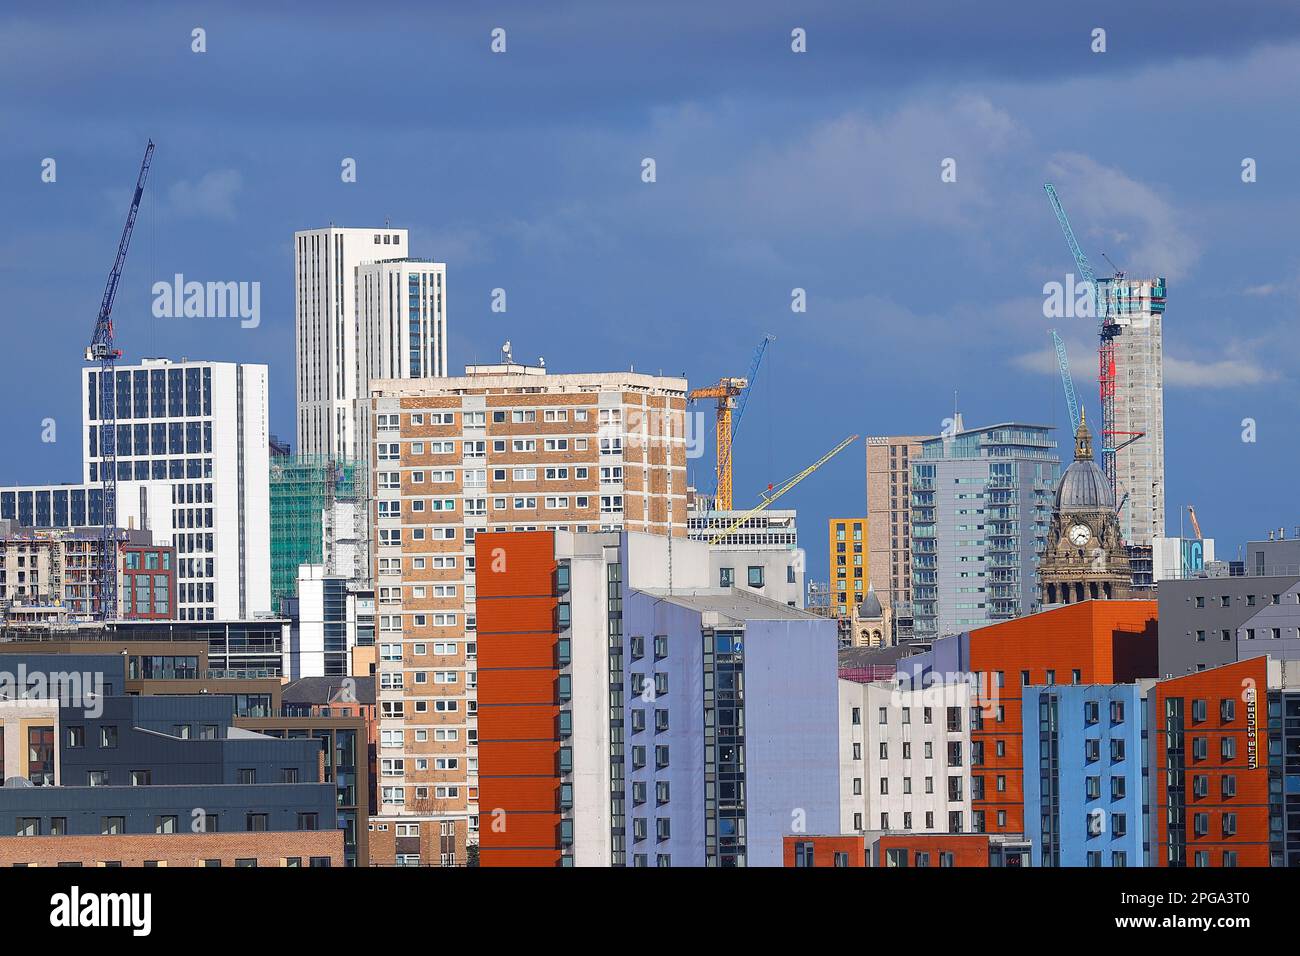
[981,506]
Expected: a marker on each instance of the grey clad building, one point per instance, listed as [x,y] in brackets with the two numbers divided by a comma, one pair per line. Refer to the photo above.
[82,759]
[1207,621]
[981,504]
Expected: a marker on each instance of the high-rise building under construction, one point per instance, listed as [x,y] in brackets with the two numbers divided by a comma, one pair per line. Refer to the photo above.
[1137,306]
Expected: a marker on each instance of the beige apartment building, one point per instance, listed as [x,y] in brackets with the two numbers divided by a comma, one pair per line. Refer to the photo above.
[504,447]
[889,520]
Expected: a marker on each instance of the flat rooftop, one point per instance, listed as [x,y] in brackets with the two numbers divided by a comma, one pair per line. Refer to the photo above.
[731,603]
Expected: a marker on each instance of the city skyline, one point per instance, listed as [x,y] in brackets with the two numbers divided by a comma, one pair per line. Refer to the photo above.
[775,171]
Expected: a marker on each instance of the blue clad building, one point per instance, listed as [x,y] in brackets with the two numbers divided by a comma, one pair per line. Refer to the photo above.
[1084,780]
[750,744]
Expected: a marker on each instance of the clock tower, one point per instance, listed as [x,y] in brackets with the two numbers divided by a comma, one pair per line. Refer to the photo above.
[1086,558]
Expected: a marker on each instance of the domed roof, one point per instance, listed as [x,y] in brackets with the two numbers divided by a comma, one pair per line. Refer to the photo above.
[1084,486]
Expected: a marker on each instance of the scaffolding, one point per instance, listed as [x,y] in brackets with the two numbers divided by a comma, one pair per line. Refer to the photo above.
[1137,307]
[303,487]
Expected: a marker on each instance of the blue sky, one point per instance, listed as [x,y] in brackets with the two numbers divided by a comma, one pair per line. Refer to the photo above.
[775,170]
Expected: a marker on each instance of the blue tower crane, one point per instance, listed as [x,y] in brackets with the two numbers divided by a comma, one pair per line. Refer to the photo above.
[103,351]
[1067,381]
[1108,330]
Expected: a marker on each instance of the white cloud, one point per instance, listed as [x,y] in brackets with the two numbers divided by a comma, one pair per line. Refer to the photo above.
[1140,228]
[211,197]
[1224,373]
[854,172]
[1238,371]
[462,247]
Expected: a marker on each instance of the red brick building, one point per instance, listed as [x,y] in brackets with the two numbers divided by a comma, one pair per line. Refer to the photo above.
[260,849]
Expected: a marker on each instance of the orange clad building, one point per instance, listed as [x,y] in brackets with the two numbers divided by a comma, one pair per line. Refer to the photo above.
[1095,642]
[1209,767]
[518,711]
[888,850]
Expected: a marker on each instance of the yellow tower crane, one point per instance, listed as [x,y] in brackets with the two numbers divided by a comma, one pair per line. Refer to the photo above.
[782,488]
[725,392]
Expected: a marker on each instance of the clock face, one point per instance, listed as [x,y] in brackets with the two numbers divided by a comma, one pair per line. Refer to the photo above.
[1080,535]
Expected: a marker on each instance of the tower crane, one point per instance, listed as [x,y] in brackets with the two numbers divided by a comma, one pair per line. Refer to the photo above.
[726,391]
[103,350]
[1108,331]
[1196,525]
[1067,380]
[772,494]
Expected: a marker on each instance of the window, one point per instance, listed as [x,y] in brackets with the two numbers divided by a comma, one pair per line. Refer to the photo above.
[756,576]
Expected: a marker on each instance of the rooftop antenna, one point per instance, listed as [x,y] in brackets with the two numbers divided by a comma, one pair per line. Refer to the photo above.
[541,361]
[506,354]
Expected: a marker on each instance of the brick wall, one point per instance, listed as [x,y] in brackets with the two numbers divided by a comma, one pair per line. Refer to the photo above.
[177,849]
